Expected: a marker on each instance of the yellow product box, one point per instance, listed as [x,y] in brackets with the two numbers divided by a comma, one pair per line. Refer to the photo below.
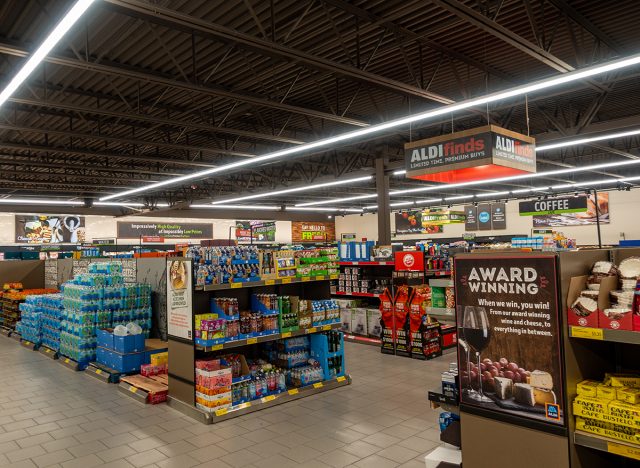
[605,392]
[628,395]
[606,417]
[604,429]
[160,359]
[593,405]
[622,380]
[200,317]
[625,410]
[588,388]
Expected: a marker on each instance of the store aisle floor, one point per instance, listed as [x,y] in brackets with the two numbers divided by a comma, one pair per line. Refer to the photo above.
[51,416]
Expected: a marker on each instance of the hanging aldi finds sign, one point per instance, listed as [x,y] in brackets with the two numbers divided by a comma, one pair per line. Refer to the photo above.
[476,154]
[554,206]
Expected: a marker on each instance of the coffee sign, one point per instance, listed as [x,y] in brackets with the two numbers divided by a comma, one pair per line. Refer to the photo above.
[554,206]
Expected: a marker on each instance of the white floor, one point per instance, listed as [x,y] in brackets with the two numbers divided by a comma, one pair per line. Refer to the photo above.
[52,416]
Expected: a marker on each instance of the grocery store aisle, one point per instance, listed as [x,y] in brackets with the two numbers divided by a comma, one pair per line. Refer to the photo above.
[51,416]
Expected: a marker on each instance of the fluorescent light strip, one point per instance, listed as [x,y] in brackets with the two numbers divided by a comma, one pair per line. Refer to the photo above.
[492,194]
[35,201]
[444,110]
[401,172]
[458,197]
[405,203]
[336,200]
[239,207]
[296,189]
[135,205]
[49,43]
[329,210]
[429,200]
[584,141]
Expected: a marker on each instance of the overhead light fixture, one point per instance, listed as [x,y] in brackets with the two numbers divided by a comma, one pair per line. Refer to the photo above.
[400,172]
[238,207]
[49,43]
[584,141]
[458,197]
[123,204]
[429,200]
[404,203]
[37,201]
[324,209]
[336,200]
[371,207]
[444,110]
[491,194]
[295,189]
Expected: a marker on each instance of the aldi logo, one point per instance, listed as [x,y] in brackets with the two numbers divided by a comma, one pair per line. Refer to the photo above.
[552,411]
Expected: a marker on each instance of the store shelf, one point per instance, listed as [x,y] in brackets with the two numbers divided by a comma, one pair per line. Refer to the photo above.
[263,339]
[363,339]
[134,392]
[268,282]
[390,263]
[272,400]
[441,312]
[603,334]
[437,272]
[356,294]
[604,444]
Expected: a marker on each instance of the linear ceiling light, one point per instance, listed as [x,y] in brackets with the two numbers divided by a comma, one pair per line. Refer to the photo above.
[492,194]
[36,201]
[458,197]
[444,110]
[239,207]
[324,209]
[404,203]
[49,43]
[400,172]
[295,189]
[337,200]
[584,141]
[135,205]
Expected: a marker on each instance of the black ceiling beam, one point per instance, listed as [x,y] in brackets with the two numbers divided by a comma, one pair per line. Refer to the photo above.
[189,24]
[131,73]
[486,24]
[156,120]
[380,21]
[122,140]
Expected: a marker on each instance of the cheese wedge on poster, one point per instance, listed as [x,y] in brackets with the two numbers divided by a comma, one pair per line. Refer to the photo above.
[540,379]
[543,396]
[523,394]
[504,387]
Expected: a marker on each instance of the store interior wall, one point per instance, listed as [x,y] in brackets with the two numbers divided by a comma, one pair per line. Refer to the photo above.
[101,227]
[624,209]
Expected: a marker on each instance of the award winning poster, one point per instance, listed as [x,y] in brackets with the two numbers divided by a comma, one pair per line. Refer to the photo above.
[509,335]
[179,300]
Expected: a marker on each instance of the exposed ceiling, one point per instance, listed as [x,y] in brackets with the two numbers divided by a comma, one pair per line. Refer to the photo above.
[141,91]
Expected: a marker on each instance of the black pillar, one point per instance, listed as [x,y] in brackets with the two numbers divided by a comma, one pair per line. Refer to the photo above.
[384,213]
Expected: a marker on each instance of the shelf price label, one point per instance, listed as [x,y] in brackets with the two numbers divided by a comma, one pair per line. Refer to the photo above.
[47,350]
[312,330]
[305,279]
[286,335]
[269,282]
[293,391]
[318,385]
[342,378]
[252,340]
[268,398]
[133,389]
[98,371]
[624,450]
[326,327]
[236,285]
[66,361]
[216,347]
[221,412]
[320,278]
[334,276]
[286,280]
[586,332]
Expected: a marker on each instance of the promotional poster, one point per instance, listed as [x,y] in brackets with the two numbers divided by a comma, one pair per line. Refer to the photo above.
[577,218]
[179,303]
[49,229]
[302,231]
[262,231]
[509,335]
[410,222]
[137,229]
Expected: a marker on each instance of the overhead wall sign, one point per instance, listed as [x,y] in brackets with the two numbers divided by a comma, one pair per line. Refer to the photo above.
[137,229]
[485,217]
[582,211]
[302,231]
[553,206]
[49,229]
[410,222]
[476,154]
[262,231]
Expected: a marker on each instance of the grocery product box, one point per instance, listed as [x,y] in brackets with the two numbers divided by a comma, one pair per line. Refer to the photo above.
[159,358]
[604,429]
[345,320]
[374,328]
[584,311]
[359,321]
[129,362]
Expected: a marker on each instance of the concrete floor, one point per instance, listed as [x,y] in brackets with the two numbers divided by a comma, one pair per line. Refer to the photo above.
[52,416]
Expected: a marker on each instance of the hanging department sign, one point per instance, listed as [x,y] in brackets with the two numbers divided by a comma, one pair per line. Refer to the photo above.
[476,154]
[137,229]
[553,206]
[302,231]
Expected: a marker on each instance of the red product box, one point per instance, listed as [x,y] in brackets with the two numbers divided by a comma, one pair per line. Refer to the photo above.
[409,261]
[580,316]
[622,321]
[636,322]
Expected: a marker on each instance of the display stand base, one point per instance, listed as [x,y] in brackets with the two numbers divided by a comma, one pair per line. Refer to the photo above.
[5,331]
[134,392]
[29,345]
[104,373]
[363,339]
[260,404]
[71,364]
[48,352]
[15,336]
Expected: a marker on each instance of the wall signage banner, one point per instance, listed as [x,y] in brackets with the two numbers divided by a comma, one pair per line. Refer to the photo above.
[509,335]
[471,221]
[179,299]
[410,222]
[582,211]
[553,206]
[49,229]
[263,231]
[485,217]
[440,216]
[136,229]
[492,146]
[303,231]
